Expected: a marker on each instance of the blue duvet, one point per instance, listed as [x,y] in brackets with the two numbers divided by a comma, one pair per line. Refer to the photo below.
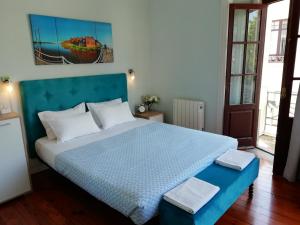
[131,171]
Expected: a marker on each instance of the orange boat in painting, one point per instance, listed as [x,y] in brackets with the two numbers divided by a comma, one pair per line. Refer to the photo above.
[86,49]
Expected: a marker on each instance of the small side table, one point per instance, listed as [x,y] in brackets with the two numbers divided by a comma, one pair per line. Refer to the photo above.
[151,115]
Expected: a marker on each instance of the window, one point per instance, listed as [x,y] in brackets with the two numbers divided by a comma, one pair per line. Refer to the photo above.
[278,40]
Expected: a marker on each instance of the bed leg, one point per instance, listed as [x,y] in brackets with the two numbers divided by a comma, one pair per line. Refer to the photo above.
[251,189]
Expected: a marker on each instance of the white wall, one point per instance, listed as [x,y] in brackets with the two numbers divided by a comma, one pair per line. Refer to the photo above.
[272,72]
[130,23]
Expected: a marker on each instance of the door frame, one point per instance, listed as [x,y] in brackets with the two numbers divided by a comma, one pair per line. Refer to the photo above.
[226,96]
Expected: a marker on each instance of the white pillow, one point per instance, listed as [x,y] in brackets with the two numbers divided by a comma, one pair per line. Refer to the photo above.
[91,107]
[111,115]
[66,129]
[52,115]
[112,102]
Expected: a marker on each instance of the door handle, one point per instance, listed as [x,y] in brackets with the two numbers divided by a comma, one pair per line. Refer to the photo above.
[4,125]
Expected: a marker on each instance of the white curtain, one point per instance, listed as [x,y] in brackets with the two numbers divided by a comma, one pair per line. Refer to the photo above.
[292,168]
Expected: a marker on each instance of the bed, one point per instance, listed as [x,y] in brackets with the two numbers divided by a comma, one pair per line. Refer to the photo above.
[129,166]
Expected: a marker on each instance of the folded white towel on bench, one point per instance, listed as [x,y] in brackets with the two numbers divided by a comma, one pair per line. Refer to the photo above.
[235,159]
[191,195]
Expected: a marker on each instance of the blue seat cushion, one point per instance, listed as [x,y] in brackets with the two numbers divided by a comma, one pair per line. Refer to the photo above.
[232,185]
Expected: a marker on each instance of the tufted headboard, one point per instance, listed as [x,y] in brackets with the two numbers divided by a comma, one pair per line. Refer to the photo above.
[64,93]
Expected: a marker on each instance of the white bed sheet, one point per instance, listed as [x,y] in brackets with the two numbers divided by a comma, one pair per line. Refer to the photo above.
[47,149]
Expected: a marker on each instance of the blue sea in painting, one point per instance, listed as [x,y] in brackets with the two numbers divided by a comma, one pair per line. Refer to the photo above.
[69,41]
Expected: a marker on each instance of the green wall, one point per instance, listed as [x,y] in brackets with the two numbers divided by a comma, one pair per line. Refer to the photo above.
[187,54]
[175,46]
[130,24]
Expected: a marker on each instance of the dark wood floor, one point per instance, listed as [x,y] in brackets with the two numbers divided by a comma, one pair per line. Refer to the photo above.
[55,201]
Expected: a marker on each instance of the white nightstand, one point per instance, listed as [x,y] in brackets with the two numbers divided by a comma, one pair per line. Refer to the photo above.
[14,174]
[151,115]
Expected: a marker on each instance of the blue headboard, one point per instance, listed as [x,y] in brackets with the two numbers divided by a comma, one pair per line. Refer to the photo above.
[64,93]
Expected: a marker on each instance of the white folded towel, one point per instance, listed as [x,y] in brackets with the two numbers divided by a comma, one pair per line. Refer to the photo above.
[191,195]
[235,159]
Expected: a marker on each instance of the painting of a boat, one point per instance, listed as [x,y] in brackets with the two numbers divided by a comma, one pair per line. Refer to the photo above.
[69,41]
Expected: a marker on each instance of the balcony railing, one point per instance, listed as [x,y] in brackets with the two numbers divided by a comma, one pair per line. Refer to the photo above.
[272,107]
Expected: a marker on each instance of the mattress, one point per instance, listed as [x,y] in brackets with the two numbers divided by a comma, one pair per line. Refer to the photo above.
[132,165]
[47,150]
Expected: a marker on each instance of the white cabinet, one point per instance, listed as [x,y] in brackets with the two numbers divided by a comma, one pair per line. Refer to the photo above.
[14,175]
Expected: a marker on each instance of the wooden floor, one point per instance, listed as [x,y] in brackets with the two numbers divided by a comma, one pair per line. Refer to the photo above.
[56,201]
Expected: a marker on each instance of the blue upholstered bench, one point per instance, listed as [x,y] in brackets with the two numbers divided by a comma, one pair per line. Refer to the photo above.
[232,185]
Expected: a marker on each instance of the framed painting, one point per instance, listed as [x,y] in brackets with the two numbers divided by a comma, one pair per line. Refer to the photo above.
[69,41]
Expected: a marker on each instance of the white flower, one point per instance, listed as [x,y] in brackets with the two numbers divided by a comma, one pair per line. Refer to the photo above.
[147,99]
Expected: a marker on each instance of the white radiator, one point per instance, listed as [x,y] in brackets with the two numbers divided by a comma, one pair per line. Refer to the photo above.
[188,113]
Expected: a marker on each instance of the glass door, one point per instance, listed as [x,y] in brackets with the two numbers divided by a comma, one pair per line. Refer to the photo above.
[244,64]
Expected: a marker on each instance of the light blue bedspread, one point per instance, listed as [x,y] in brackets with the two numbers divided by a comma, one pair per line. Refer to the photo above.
[131,171]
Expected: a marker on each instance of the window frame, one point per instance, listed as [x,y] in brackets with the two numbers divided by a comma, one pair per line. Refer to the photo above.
[278,57]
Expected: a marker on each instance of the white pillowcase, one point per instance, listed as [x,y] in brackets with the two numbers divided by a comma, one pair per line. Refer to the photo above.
[53,115]
[66,129]
[111,115]
[91,107]
[112,102]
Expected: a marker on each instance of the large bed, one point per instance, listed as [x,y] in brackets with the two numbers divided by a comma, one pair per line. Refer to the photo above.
[129,166]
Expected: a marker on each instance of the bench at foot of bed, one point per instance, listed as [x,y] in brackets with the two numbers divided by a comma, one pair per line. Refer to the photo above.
[232,185]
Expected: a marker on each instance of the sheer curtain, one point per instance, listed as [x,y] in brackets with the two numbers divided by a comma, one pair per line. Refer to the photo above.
[292,168]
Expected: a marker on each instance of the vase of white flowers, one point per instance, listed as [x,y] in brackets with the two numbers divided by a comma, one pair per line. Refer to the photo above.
[5,79]
[150,100]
